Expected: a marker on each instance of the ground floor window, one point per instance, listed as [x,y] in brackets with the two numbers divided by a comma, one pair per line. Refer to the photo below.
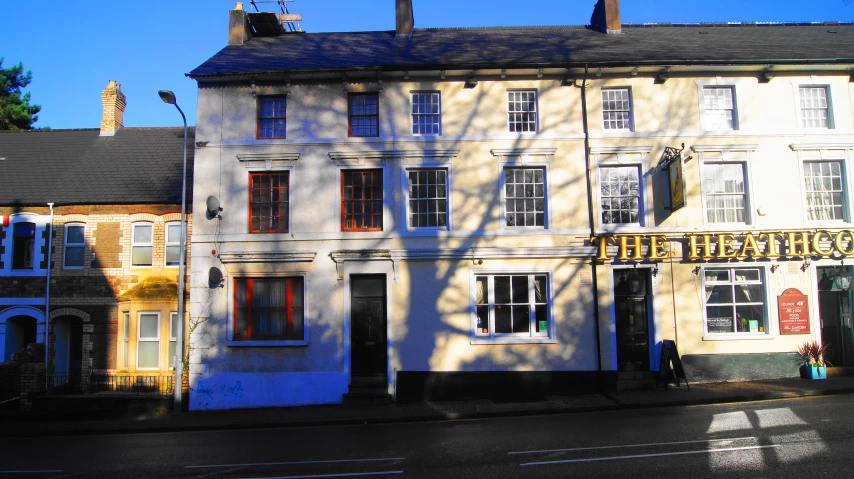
[148,341]
[269,309]
[511,306]
[735,301]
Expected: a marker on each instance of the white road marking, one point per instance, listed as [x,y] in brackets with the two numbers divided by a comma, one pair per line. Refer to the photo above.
[640,456]
[297,463]
[733,439]
[351,474]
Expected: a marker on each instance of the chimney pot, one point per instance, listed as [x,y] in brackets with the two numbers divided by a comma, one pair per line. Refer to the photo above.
[405,18]
[606,17]
[114,108]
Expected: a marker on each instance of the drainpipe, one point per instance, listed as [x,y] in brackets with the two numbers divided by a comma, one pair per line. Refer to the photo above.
[590,219]
[47,301]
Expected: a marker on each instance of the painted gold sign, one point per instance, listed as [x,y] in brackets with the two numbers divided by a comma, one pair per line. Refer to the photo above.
[732,246]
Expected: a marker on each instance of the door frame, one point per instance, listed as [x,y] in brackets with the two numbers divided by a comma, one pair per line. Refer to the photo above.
[368,268]
[652,313]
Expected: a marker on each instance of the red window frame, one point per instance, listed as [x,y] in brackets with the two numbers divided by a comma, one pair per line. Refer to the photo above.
[362,200]
[274,201]
[363,113]
[272,117]
[255,313]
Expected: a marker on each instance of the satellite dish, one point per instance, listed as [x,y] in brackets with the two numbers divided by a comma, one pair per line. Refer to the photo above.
[215,276]
[213,206]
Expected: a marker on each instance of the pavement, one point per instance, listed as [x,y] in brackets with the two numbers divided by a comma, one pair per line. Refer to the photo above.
[341,414]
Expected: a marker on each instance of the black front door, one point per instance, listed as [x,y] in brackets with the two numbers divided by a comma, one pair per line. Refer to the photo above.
[631,299]
[834,300]
[368,326]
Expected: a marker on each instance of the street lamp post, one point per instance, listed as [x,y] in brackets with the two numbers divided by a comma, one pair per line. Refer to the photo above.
[169,97]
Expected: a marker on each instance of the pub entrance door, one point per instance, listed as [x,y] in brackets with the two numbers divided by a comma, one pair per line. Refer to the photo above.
[834,303]
[632,299]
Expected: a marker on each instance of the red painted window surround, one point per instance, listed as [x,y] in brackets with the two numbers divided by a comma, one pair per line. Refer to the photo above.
[269,202]
[269,309]
[361,200]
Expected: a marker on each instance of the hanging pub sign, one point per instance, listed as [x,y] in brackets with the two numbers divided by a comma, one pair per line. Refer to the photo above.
[794,312]
[672,160]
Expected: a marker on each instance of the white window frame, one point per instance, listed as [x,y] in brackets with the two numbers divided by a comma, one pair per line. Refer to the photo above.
[407,186]
[503,192]
[831,124]
[510,112]
[67,245]
[40,243]
[167,244]
[230,341]
[745,178]
[140,339]
[641,196]
[125,339]
[631,110]
[737,86]
[770,326]
[413,115]
[707,122]
[532,337]
[826,153]
[135,244]
[173,339]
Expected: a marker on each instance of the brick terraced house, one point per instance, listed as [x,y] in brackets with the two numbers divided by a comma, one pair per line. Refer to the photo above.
[111,198]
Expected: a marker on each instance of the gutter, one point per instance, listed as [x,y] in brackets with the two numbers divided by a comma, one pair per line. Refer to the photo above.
[47,300]
[591,222]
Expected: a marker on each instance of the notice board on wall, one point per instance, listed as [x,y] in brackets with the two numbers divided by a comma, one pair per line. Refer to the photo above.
[794,312]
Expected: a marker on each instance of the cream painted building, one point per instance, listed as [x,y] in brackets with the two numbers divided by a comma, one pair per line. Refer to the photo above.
[420,213]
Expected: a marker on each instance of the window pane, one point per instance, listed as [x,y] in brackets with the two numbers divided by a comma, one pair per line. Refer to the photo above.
[142,234]
[148,354]
[148,326]
[173,233]
[74,235]
[502,289]
[74,256]
[141,255]
[173,255]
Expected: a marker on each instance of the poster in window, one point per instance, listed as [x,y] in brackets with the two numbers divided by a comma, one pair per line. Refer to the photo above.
[720,325]
[794,312]
[677,184]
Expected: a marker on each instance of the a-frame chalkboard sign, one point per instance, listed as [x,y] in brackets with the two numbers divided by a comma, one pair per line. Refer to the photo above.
[666,374]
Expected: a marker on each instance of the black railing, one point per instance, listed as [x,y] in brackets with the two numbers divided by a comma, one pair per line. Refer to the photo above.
[101,383]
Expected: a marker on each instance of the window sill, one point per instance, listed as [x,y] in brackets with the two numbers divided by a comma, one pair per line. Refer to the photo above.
[267,343]
[737,336]
[511,340]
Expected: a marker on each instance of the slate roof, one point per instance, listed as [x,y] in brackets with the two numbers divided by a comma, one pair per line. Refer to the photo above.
[136,166]
[536,47]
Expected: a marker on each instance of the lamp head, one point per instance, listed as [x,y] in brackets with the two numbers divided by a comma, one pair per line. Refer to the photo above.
[167,96]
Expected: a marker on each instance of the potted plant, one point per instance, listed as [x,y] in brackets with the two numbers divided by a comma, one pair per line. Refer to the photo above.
[813,358]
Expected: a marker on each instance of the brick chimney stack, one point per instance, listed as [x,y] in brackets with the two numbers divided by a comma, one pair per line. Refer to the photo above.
[114,109]
[238,26]
[405,18]
[606,16]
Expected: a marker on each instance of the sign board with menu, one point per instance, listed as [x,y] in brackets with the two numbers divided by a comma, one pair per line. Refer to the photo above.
[794,312]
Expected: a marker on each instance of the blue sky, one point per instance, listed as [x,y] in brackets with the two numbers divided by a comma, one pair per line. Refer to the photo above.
[74,48]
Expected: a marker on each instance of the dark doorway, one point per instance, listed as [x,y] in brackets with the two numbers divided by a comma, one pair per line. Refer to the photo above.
[369,355]
[21,331]
[68,349]
[834,303]
[631,306]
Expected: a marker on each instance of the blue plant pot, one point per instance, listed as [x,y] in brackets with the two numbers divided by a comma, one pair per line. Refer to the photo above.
[816,372]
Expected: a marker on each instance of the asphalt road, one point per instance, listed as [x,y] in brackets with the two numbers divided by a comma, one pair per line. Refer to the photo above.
[775,439]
